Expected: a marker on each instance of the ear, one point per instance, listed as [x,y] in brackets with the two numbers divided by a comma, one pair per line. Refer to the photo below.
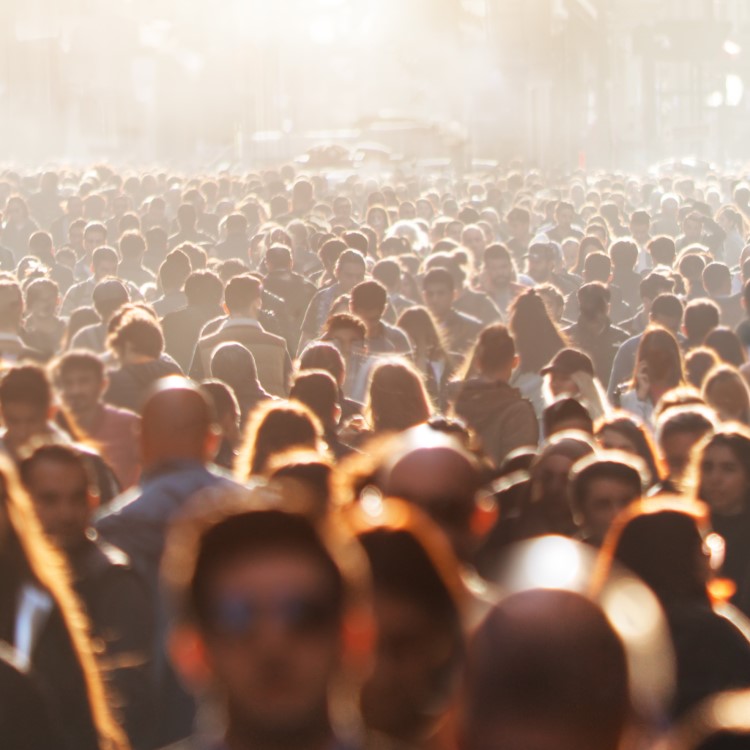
[187,652]
[213,439]
[516,361]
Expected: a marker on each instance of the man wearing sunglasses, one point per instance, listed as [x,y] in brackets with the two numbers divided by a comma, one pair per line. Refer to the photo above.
[263,608]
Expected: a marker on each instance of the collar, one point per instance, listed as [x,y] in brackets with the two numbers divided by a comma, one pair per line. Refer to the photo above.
[237,322]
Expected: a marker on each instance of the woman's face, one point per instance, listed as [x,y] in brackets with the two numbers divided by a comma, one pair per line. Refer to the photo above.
[724,481]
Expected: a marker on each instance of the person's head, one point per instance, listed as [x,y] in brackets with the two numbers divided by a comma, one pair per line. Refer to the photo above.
[540,261]
[318,391]
[602,485]
[624,254]
[132,247]
[536,336]
[640,225]
[104,262]
[178,423]
[174,270]
[40,246]
[108,297]
[26,405]
[663,251]
[519,221]
[329,252]
[42,298]
[279,258]
[723,470]
[94,235]
[652,286]
[203,288]
[589,245]
[368,301]
[540,666]
[388,273]
[624,432]
[226,409]
[187,216]
[350,269]
[60,484]
[80,380]
[678,431]
[262,604]
[137,338]
[420,327]
[243,296]
[667,311]
[494,356]
[564,214]
[236,225]
[346,332]
[701,317]
[274,427]
[417,603]
[321,355]
[659,356]
[396,397]
[726,391]
[563,369]
[717,279]
[692,226]
[442,480]
[593,303]
[439,291]
[11,305]
[498,266]
[727,345]
[566,413]
[698,363]
[661,541]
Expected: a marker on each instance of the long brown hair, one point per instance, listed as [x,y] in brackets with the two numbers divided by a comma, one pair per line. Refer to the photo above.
[49,570]
[660,351]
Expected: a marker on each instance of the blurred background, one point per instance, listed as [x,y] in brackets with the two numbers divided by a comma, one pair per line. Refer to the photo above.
[558,83]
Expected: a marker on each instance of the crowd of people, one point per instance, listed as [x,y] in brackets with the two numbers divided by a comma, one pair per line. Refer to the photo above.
[322,461]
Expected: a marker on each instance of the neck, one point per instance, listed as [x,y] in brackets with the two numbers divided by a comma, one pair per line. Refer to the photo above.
[86,417]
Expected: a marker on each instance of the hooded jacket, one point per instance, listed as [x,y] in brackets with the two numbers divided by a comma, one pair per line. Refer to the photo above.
[497,412]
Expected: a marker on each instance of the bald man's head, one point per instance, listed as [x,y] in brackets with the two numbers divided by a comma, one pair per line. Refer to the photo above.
[443,481]
[177,423]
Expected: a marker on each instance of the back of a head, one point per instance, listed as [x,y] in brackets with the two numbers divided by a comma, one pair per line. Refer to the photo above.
[233,364]
[495,349]
[323,356]
[109,295]
[317,390]
[176,422]
[717,279]
[546,670]
[397,398]
[11,304]
[701,316]
[203,288]
[242,292]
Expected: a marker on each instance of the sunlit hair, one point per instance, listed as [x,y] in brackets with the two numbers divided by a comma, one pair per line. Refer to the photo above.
[659,539]
[536,335]
[727,346]
[726,391]
[634,431]
[661,353]
[48,569]
[418,324]
[396,397]
[590,393]
[273,427]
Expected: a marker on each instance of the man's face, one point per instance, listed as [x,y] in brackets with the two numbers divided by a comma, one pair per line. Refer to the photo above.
[473,239]
[92,240]
[81,390]
[564,217]
[677,449]
[605,498]
[23,422]
[438,298]
[692,228]
[273,643]
[105,268]
[349,275]
[45,304]
[540,267]
[639,230]
[499,272]
[62,501]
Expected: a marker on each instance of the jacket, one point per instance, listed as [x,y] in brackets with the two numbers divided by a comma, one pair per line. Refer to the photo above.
[497,412]
[129,384]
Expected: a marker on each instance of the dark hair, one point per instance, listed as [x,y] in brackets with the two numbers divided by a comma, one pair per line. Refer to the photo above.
[76,360]
[537,338]
[273,427]
[662,250]
[387,272]
[701,316]
[563,410]
[634,431]
[494,350]
[132,245]
[109,295]
[26,384]
[60,453]
[222,397]
[369,295]
[417,323]
[604,466]
[727,345]
[439,276]
[278,256]
[655,284]
[320,355]
[396,397]
[715,276]
[667,304]
[624,254]
[590,244]
[241,291]
[318,390]
[139,330]
[341,321]
[698,363]
[203,288]
[659,349]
